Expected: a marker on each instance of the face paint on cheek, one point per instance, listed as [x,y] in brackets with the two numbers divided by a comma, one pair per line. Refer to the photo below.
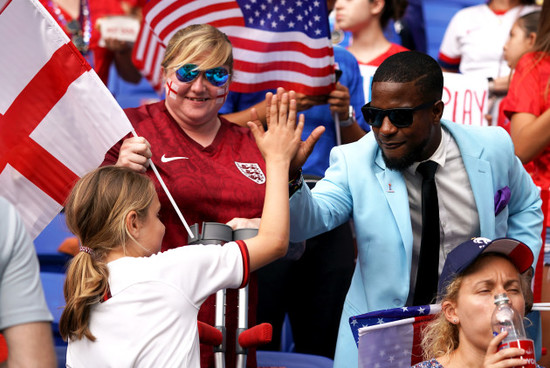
[222,95]
[171,89]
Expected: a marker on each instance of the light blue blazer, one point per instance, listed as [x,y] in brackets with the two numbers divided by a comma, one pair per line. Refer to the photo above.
[356,186]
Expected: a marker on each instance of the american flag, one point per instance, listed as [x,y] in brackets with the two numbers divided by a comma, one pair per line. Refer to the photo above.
[276,43]
[391,337]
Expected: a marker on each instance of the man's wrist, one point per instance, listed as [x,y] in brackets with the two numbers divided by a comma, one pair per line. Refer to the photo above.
[295,183]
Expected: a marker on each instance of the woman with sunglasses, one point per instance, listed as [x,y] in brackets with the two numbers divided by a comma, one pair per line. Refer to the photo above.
[212,167]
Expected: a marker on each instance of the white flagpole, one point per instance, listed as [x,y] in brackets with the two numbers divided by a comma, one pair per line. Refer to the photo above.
[168,194]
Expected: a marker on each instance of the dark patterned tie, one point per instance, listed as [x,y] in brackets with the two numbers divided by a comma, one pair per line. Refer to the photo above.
[428,262]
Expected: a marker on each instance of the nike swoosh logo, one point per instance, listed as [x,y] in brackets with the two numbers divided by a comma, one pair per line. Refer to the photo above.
[168,159]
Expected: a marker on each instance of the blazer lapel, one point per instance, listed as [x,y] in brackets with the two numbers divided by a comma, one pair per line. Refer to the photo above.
[481,179]
[394,189]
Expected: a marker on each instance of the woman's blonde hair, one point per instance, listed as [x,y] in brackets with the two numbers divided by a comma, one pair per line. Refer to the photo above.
[95,212]
[440,337]
[198,41]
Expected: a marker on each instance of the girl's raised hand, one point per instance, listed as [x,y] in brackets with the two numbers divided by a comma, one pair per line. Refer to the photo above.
[283,136]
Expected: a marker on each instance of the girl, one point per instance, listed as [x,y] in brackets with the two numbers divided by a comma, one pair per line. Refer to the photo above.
[366,20]
[522,38]
[129,305]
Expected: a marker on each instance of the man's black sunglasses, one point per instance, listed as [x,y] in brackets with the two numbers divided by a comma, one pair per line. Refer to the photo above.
[401,117]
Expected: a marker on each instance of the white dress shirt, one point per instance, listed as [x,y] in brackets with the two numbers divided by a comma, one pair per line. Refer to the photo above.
[458,216]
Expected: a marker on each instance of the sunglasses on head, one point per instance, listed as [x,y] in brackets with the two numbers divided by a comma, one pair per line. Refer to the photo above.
[400,117]
[216,76]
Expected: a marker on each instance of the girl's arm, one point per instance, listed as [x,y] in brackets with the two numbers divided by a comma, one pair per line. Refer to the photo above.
[278,145]
[531,134]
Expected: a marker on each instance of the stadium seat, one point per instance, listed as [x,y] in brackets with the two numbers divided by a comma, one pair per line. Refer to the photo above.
[128,94]
[47,245]
[52,282]
[291,360]
[287,340]
[52,274]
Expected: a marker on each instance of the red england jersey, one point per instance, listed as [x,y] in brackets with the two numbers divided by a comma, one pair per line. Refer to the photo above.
[214,183]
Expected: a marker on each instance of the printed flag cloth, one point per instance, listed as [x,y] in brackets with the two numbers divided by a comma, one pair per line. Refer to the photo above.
[57,119]
[390,338]
[276,43]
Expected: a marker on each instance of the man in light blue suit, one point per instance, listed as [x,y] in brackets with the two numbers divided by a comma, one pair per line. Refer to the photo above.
[482,189]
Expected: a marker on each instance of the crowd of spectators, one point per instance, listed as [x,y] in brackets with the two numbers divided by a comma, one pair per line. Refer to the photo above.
[356,210]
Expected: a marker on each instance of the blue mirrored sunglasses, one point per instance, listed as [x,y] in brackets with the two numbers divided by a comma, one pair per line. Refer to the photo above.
[215,76]
[401,117]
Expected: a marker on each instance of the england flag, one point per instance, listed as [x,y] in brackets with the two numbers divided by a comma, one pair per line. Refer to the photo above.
[57,119]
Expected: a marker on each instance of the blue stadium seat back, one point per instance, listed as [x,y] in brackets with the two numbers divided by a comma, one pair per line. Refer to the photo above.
[291,360]
[287,339]
[129,94]
[52,282]
[61,353]
[437,15]
[52,275]
[47,243]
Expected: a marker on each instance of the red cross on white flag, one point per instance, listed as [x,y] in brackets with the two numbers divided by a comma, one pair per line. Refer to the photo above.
[57,119]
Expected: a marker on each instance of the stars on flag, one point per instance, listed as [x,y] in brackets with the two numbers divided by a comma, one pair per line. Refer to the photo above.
[284,16]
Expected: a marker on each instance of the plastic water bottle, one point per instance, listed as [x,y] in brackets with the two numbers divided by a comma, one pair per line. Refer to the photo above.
[505,318]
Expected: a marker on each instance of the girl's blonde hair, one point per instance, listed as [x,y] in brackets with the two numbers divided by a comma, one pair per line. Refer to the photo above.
[198,41]
[96,212]
[440,337]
